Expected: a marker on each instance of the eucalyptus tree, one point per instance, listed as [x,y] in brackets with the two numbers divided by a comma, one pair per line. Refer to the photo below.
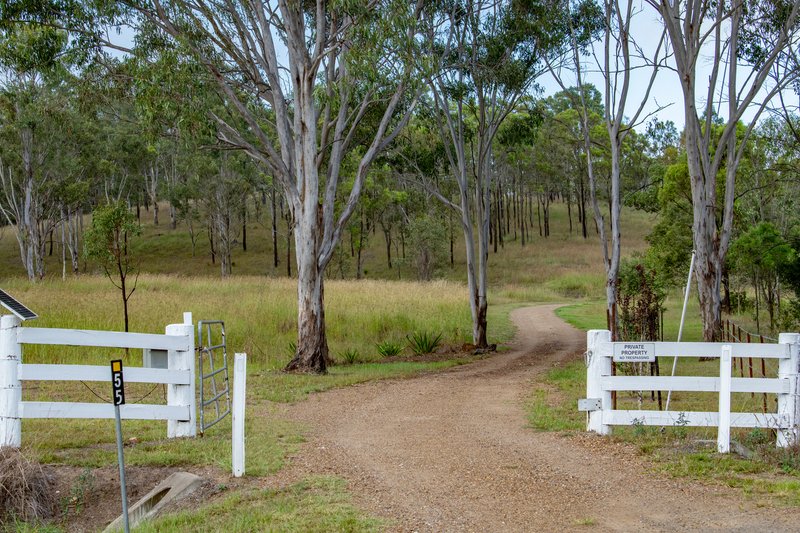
[485,56]
[31,104]
[620,55]
[301,76]
[751,46]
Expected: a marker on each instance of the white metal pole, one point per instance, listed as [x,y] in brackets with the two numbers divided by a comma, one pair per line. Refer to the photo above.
[10,386]
[724,430]
[683,317]
[239,395]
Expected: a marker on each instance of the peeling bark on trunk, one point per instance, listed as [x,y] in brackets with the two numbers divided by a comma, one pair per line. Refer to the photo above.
[707,153]
[312,342]
[317,106]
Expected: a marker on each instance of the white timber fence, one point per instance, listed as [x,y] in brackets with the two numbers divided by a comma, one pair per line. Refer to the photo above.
[179,376]
[600,383]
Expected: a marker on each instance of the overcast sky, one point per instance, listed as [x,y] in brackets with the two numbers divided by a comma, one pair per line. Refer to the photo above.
[646,30]
[666,92]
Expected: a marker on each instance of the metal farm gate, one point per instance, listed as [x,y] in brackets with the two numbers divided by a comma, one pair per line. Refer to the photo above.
[213,371]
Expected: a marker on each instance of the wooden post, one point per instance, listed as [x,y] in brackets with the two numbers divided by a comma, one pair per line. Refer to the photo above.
[182,394]
[10,385]
[239,396]
[599,367]
[787,405]
[724,431]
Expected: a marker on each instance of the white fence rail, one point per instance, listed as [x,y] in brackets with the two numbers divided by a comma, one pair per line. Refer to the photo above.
[179,376]
[600,384]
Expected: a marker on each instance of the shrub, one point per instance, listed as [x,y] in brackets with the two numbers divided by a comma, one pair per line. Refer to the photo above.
[389,348]
[350,356]
[423,342]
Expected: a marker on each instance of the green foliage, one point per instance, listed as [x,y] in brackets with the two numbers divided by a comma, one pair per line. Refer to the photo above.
[789,270]
[670,240]
[350,356]
[760,254]
[428,243]
[424,342]
[641,300]
[107,241]
[32,49]
[761,249]
[790,315]
[389,348]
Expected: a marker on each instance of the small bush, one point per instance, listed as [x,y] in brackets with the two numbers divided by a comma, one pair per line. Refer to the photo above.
[389,348]
[26,492]
[350,356]
[424,342]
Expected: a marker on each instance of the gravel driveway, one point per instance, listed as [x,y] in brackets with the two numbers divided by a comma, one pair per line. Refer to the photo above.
[451,451]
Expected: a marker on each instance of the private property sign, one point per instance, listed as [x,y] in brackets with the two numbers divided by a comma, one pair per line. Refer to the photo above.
[634,352]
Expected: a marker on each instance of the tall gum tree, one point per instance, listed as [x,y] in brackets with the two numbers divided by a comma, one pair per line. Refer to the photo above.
[31,101]
[622,111]
[486,55]
[302,77]
[751,47]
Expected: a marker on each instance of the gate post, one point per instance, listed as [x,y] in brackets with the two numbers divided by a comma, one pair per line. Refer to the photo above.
[789,404]
[724,426]
[10,385]
[599,366]
[238,411]
[182,394]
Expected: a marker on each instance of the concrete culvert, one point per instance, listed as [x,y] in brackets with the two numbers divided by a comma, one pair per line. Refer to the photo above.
[26,491]
[175,487]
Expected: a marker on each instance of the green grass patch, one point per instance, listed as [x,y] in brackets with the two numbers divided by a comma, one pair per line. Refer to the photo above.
[91,443]
[772,474]
[316,504]
[549,408]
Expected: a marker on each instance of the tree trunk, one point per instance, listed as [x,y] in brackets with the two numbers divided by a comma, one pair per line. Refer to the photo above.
[569,211]
[387,236]
[312,343]
[274,228]
[244,224]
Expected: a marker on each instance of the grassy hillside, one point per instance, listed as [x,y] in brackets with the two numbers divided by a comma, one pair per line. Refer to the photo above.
[562,263]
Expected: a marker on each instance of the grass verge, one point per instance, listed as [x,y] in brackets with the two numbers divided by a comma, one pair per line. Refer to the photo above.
[315,504]
[767,474]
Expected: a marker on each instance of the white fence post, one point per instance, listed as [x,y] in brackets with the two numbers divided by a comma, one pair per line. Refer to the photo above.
[239,396]
[724,430]
[182,394]
[10,385]
[598,367]
[788,403]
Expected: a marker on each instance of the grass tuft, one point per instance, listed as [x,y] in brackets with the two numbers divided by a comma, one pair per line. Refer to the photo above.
[389,348]
[424,342]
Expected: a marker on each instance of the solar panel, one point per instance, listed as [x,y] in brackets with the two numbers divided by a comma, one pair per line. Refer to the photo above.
[10,303]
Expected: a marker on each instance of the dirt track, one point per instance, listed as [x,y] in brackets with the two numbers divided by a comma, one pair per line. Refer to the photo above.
[451,452]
